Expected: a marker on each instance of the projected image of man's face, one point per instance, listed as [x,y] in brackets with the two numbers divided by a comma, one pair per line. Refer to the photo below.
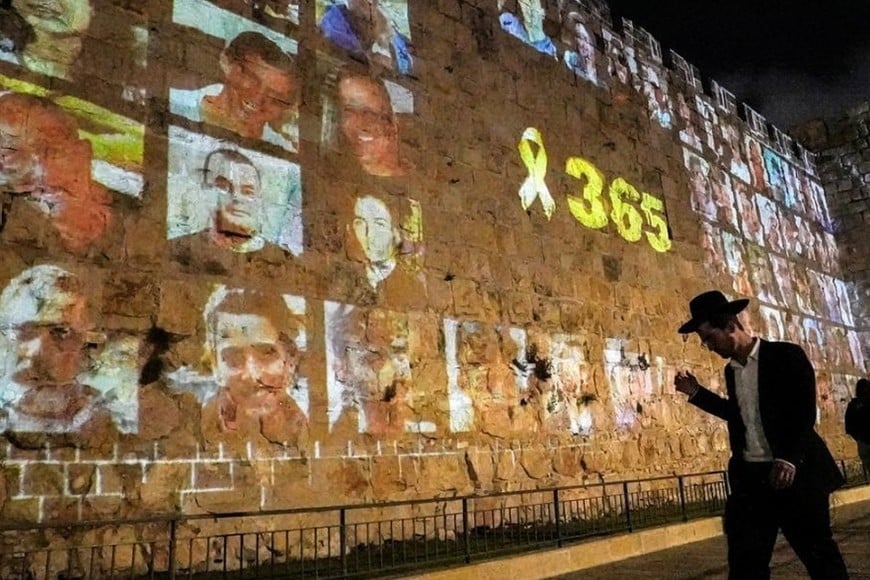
[42,156]
[259,86]
[368,125]
[236,183]
[43,318]
[254,366]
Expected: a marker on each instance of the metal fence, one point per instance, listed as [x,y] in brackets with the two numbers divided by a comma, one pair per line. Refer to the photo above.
[358,541]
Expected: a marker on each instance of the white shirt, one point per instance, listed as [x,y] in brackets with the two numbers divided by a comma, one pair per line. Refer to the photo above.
[746,388]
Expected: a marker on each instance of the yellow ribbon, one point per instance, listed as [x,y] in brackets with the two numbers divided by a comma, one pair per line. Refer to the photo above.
[534,185]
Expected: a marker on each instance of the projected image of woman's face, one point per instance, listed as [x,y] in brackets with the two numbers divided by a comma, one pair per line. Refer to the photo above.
[373,228]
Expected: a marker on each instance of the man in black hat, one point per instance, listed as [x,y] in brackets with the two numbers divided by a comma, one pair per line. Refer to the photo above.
[780,470]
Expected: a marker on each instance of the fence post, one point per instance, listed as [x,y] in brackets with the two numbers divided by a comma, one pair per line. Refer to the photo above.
[683,510]
[342,539]
[558,515]
[172,540]
[467,531]
[626,500]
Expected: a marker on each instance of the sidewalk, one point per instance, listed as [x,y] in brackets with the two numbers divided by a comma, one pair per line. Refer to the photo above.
[706,559]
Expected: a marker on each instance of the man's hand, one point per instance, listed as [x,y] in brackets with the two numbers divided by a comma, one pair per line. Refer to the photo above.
[782,474]
[685,382]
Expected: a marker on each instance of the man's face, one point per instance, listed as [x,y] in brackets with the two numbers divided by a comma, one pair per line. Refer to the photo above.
[259,93]
[721,341]
[50,347]
[373,228]
[367,120]
[61,17]
[40,151]
[250,356]
[240,202]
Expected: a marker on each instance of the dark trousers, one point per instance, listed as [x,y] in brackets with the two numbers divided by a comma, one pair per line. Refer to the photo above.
[754,514]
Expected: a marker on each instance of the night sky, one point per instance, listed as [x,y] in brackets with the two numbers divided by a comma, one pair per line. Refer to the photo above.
[790,61]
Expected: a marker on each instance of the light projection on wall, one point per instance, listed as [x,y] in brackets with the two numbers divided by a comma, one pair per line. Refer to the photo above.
[249,382]
[634,379]
[632,213]
[361,117]
[621,61]
[65,158]
[558,382]
[388,244]
[376,32]
[375,360]
[257,93]
[222,197]
[579,44]
[503,380]
[66,39]
[58,373]
[655,88]
[486,376]
[524,19]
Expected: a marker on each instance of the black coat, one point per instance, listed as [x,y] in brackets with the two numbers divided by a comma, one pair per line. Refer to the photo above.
[787,405]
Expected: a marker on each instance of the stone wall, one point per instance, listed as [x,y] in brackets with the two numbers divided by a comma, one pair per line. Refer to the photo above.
[249,263]
[843,157]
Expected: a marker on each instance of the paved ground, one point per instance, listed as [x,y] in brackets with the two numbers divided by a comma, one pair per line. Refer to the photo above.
[706,560]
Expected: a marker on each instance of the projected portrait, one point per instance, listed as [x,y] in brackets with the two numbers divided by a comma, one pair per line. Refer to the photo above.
[360,118]
[813,338]
[820,204]
[224,198]
[782,274]
[773,322]
[524,19]
[723,197]
[714,252]
[44,161]
[844,301]
[791,234]
[700,184]
[51,379]
[775,171]
[771,223]
[579,54]
[621,61]
[734,258]
[855,350]
[558,390]
[370,357]
[756,164]
[371,31]
[44,36]
[825,292]
[688,125]
[732,152]
[257,93]
[249,382]
[709,122]
[761,275]
[388,244]
[486,376]
[655,88]
[68,39]
[750,220]
[634,378]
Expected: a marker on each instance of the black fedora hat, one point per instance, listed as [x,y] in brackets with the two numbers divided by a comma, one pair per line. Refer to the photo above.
[705,306]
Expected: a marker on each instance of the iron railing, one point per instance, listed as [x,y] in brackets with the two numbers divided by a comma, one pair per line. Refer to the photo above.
[355,541]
